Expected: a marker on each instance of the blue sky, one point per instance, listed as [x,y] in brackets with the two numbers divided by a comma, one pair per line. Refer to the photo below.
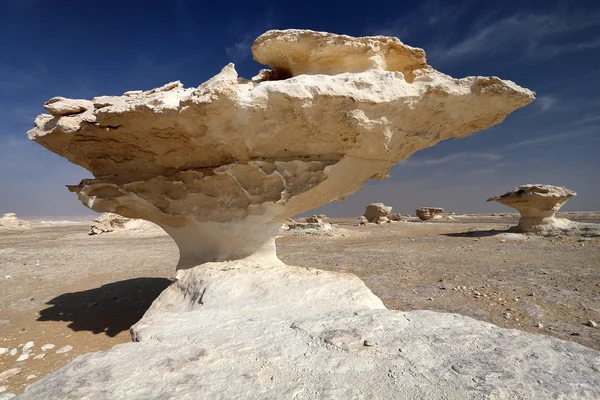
[82,49]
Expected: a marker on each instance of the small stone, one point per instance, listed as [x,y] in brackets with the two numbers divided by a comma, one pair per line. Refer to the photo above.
[369,343]
[9,373]
[539,325]
[39,356]
[3,350]
[47,347]
[507,315]
[23,357]
[431,298]
[503,241]
[64,349]
[591,323]
[13,352]
[28,346]
[30,377]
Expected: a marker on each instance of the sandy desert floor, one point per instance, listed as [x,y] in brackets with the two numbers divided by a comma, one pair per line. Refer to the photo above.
[60,286]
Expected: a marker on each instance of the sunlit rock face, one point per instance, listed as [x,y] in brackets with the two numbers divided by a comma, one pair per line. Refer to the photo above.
[220,166]
[538,205]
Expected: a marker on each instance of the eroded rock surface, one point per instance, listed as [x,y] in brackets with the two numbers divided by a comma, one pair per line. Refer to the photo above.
[538,205]
[10,221]
[220,166]
[427,213]
[109,222]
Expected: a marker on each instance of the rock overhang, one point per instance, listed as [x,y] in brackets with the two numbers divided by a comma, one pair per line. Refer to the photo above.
[274,146]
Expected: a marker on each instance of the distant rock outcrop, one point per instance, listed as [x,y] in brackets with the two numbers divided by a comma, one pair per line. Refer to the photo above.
[427,213]
[10,221]
[538,205]
[109,222]
[376,211]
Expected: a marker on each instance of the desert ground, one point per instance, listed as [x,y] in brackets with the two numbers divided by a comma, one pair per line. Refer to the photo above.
[60,286]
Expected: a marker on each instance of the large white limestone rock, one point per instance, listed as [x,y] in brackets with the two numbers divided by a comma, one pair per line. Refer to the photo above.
[220,166]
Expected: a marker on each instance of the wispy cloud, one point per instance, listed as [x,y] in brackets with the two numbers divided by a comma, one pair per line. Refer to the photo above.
[544,104]
[533,36]
[452,158]
[241,49]
[555,137]
[430,15]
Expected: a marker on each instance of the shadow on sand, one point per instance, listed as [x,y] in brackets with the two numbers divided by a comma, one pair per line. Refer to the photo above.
[491,232]
[109,309]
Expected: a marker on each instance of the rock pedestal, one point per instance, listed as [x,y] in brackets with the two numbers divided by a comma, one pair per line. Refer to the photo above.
[538,205]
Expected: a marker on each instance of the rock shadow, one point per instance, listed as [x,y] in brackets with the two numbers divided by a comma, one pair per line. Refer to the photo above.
[491,232]
[109,309]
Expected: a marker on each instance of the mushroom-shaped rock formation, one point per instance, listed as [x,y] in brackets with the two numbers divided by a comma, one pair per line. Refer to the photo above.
[10,221]
[375,211]
[220,166]
[427,213]
[537,205]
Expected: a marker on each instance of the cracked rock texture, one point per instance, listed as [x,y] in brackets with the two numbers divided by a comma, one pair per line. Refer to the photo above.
[235,155]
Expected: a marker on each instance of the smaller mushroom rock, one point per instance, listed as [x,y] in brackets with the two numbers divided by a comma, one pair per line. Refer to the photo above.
[537,205]
[10,221]
[376,210]
[427,213]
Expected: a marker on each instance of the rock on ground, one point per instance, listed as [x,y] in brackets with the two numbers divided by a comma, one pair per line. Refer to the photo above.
[375,211]
[427,213]
[10,221]
[109,222]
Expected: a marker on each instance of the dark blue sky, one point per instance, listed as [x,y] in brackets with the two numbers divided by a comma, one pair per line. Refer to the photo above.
[83,49]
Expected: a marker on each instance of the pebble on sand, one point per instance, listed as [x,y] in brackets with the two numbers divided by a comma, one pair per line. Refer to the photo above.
[64,349]
[48,346]
[9,373]
[3,350]
[23,357]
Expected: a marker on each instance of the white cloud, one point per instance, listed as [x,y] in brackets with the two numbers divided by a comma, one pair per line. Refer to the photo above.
[419,162]
[533,35]
[240,50]
[555,137]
